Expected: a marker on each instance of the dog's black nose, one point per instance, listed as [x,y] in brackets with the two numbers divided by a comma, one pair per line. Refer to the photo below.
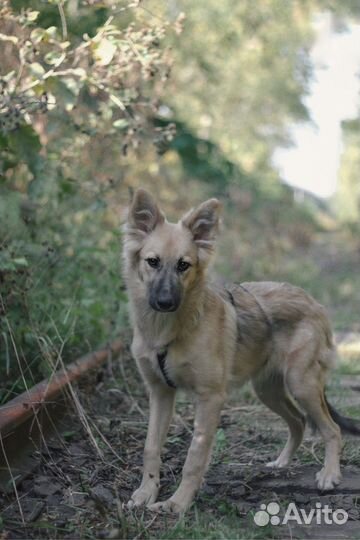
[165,304]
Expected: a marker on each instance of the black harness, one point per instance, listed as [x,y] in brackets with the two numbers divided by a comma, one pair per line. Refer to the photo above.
[231,298]
[161,358]
[260,306]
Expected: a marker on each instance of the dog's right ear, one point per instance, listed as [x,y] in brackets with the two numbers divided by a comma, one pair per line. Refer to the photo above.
[144,214]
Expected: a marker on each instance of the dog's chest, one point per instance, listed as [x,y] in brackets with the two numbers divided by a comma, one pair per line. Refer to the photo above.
[165,364]
[175,368]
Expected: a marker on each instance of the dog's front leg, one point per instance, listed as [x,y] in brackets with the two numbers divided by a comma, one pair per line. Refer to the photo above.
[161,410]
[208,409]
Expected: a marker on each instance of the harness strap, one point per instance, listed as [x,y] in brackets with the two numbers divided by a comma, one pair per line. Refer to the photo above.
[232,300]
[260,306]
[161,358]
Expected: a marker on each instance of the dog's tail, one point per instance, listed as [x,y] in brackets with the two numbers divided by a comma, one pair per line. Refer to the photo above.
[346,424]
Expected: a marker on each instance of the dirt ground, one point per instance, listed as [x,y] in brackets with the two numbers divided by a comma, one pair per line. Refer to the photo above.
[76,482]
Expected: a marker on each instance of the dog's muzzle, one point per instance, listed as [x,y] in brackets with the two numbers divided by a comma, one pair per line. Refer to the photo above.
[165,292]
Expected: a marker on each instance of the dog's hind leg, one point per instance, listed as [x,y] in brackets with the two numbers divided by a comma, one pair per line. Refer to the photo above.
[162,401]
[272,392]
[308,389]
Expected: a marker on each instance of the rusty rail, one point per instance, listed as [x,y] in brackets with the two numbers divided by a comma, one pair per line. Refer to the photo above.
[21,408]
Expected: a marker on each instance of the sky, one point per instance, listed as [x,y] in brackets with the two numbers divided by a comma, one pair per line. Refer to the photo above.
[313,162]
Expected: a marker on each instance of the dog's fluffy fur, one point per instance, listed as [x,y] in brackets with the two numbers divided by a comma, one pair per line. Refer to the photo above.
[274,334]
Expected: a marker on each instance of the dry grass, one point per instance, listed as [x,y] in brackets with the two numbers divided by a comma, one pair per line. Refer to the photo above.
[83,476]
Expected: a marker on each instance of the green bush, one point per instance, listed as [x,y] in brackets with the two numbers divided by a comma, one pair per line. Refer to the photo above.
[61,286]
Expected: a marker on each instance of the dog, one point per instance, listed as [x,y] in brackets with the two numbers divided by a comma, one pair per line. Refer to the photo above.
[190,334]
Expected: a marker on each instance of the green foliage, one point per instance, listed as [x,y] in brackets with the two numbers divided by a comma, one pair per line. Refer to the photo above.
[24,144]
[202,159]
[246,73]
[78,21]
[348,196]
[61,287]
[69,77]
[105,81]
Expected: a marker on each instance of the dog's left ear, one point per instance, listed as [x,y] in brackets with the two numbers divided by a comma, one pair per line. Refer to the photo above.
[203,223]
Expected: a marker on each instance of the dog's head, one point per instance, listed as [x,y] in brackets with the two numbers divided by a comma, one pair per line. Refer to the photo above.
[168,258]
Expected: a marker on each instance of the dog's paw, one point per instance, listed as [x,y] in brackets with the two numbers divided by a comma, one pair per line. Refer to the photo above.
[143,496]
[168,506]
[327,480]
[279,463]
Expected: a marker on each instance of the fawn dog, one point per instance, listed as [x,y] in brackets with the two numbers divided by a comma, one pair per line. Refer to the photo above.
[191,334]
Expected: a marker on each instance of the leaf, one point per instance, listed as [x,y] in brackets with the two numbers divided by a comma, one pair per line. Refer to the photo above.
[37,70]
[68,434]
[37,35]
[73,84]
[53,57]
[32,15]
[117,102]
[20,261]
[104,52]
[121,123]
[25,144]
[9,76]
[45,35]
[51,32]
[3,141]
[67,187]
[6,265]
[67,91]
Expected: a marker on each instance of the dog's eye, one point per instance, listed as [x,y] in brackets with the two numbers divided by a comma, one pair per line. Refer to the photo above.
[182,266]
[153,262]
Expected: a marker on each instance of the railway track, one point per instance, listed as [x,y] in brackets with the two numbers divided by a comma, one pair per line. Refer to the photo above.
[28,419]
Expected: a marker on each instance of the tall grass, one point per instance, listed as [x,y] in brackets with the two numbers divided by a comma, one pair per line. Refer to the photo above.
[61,287]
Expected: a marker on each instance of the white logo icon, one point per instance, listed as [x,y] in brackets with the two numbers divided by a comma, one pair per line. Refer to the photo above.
[262,516]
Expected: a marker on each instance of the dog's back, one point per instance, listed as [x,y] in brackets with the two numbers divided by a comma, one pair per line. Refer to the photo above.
[286,316]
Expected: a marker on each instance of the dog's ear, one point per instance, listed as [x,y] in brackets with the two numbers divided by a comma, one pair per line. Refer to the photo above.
[144,214]
[203,223]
